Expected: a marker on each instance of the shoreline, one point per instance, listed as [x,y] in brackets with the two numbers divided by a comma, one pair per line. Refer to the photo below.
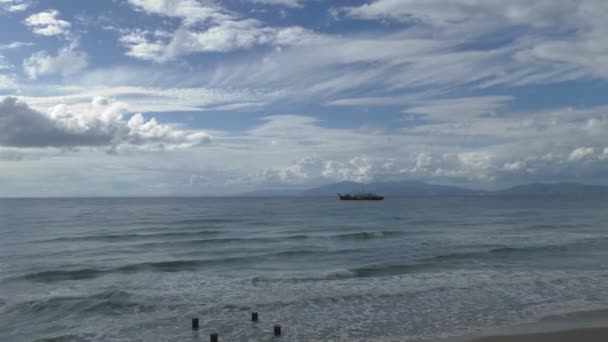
[575,335]
[579,326]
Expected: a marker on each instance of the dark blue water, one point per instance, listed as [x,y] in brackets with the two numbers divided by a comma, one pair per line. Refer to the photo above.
[401,269]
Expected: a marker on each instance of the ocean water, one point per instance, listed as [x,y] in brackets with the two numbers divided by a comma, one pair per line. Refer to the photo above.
[398,270]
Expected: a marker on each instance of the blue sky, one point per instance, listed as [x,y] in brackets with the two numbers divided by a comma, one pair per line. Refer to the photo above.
[156,97]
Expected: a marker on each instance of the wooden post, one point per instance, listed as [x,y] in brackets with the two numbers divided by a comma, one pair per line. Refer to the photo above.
[195,324]
[277,330]
[254,316]
[213,337]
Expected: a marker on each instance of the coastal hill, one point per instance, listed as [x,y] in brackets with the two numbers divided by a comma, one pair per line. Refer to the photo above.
[423,189]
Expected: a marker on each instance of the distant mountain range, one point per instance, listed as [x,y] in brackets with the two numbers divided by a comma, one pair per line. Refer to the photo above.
[423,189]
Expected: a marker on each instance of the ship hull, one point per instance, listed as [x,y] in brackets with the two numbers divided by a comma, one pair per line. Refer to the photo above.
[351,198]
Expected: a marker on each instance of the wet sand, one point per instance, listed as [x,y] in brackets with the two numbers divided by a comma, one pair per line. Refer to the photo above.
[577,335]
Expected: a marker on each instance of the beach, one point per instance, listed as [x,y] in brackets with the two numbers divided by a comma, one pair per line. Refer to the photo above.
[577,335]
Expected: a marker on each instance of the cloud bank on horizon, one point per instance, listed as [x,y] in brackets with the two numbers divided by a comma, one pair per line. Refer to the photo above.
[153,97]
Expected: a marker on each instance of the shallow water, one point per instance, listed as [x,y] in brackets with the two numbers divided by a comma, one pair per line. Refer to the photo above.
[401,269]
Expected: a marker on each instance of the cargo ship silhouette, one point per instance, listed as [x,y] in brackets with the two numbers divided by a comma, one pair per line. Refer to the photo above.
[366,196]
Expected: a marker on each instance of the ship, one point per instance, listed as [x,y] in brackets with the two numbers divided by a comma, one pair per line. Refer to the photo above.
[367,196]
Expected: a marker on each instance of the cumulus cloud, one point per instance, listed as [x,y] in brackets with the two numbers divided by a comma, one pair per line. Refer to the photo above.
[581,153]
[47,23]
[6,82]
[192,11]
[14,5]
[206,27]
[311,170]
[227,36]
[67,61]
[103,125]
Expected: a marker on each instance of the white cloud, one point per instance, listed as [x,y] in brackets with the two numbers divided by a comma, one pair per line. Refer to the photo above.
[286,3]
[102,124]
[580,46]
[48,24]
[226,36]
[7,78]
[139,46]
[150,99]
[6,82]
[192,11]
[67,62]
[460,109]
[515,167]
[15,45]
[14,5]
[581,153]
[206,27]
[541,13]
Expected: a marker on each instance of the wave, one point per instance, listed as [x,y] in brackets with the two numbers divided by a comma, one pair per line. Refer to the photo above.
[60,275]
[502,251]
[389,270]
[112,302]
[366,235]
[198,221]
[304,277]
[221,241]
[92,273]
[557,226]
[62,338]
[176,265]
[130,237]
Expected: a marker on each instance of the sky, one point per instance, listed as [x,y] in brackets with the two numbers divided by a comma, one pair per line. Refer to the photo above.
[204,97]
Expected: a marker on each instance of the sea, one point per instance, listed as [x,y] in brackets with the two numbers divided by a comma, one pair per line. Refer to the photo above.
[402,269]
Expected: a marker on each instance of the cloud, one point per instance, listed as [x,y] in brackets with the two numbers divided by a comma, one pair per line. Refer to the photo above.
[227,36]
[48,24]
[15,45]
[569,32]
[460,109]
[286,3]
[581,153]
[10,155]
[67,62]
[149,99]
[6,82]
[13,5]
[140,46]
[7,78]
[312,171]
[541,13]
[206,27]
[103,124]
[192,11]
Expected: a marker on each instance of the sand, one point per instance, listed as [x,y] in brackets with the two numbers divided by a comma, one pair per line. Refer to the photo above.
[578,335]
